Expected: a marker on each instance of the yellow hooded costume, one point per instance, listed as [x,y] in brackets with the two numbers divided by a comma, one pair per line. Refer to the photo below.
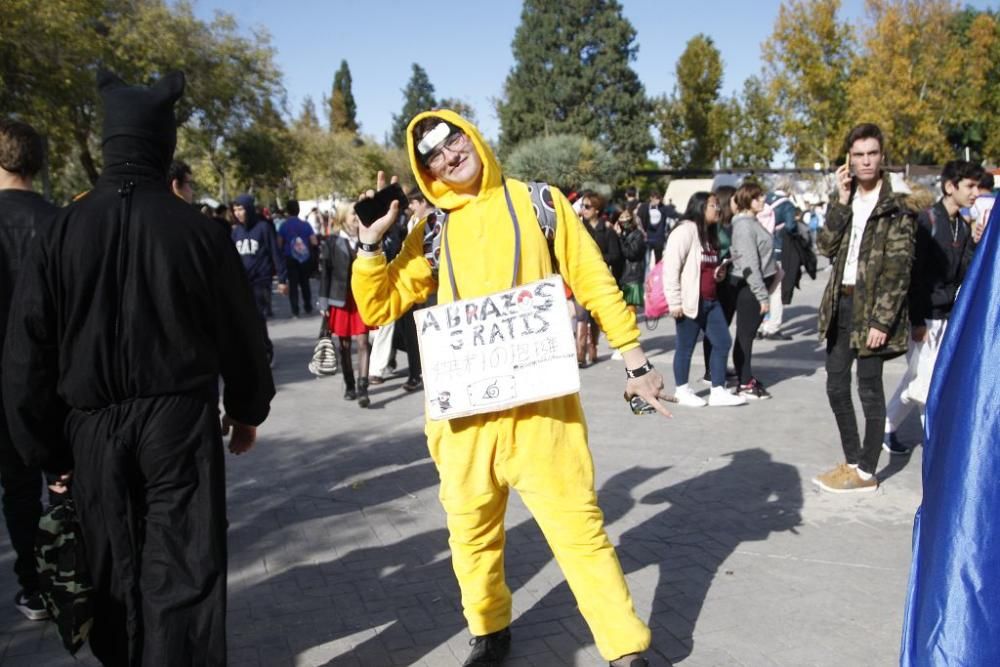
[539,449]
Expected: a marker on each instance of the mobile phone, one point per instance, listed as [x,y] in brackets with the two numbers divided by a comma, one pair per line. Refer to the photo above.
[639,406]
[370,210]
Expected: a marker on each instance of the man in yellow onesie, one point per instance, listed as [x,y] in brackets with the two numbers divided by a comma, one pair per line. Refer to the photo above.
[539,449]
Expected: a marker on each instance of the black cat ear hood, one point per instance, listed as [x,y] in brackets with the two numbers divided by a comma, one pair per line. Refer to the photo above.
[140,112]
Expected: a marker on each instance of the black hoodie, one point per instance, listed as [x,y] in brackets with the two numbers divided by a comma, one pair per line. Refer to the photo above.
[129,294]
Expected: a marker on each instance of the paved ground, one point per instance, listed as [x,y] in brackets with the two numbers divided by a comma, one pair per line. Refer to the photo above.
[339,554]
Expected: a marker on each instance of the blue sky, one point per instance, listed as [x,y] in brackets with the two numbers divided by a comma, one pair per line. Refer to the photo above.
[465,45]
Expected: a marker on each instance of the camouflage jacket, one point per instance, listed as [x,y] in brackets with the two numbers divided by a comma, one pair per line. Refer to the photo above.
[884,260]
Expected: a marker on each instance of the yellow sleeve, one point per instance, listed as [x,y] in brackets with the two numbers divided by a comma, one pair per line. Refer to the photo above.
[583,268]
[385,291]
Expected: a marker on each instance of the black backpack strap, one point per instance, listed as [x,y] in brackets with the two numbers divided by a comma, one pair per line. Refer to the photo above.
[545,211]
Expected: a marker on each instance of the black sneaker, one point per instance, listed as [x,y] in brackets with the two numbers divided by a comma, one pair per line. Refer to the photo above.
[754,390]
[892,445]
[31,605]
[489,650]
[776,335]
[363,399]
[350,394]
[634,662]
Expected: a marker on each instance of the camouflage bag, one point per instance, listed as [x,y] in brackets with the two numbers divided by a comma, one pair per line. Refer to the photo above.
[63,575]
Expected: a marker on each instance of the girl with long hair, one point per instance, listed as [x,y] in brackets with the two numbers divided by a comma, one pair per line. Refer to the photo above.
[337,256]
[754,267]
[691,273]
[724,290]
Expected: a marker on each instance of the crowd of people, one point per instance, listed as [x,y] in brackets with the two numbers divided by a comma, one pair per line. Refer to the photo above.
[112,361]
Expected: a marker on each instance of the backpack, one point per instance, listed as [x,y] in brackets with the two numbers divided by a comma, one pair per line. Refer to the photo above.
[545,215]
[300,250]
[655,298]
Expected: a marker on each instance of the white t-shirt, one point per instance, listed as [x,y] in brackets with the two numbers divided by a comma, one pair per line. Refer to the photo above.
[655,217]
[861,209]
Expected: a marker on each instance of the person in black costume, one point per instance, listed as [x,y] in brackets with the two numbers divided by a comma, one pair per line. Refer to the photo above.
[128,310]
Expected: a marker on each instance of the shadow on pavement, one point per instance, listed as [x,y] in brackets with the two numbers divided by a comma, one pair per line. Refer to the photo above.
[706,519]
[400,598]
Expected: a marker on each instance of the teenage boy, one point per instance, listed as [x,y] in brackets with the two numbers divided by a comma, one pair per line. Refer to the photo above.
[656,219]
[869,236]
[181,183]
[944,250]
[22,213]
[539,449]
[298,243]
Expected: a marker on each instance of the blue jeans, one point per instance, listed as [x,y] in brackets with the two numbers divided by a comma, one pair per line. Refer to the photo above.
[712,321]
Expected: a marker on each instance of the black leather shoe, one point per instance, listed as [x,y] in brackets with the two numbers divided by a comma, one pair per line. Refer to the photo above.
[489,650]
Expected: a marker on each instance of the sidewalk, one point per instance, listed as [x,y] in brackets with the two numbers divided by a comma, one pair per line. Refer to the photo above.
[339,554]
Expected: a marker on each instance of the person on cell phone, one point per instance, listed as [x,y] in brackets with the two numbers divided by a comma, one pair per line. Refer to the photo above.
[691,272]
[754,268]
[863,316]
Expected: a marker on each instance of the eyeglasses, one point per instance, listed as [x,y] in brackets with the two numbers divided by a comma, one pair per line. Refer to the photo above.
[453,144]
[589,207]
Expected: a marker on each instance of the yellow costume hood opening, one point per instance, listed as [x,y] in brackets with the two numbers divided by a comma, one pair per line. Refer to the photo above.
[439,193]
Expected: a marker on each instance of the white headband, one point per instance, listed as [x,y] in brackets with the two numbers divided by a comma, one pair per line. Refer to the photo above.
[433,138]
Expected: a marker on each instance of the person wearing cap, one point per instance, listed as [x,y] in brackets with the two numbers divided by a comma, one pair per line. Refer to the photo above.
[257,244]
[129,308]
[539,449]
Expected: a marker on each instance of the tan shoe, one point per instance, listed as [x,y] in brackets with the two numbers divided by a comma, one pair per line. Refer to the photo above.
[845,479]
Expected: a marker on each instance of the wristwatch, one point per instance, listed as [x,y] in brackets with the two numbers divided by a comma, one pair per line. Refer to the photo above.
[639,372]
[370,247]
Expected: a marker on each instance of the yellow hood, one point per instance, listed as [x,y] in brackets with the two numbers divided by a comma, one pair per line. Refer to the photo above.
[437,192]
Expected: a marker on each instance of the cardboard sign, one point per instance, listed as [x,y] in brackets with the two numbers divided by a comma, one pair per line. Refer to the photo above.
[497,351]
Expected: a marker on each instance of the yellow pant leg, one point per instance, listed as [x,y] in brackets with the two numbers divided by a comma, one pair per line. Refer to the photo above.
[475,501]
[550,465]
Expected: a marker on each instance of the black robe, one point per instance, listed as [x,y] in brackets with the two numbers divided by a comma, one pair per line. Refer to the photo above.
[129,308]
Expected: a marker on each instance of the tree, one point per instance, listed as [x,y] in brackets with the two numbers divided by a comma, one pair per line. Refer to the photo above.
[692,121]
[49,53]
[342,107]
[572,74]
[461,107]
[976,125]
[565,160]
[674,140]
[906,77]
[418,95]
[307,117]
[808,59]
[336,163]
[755,132]
[263,153]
